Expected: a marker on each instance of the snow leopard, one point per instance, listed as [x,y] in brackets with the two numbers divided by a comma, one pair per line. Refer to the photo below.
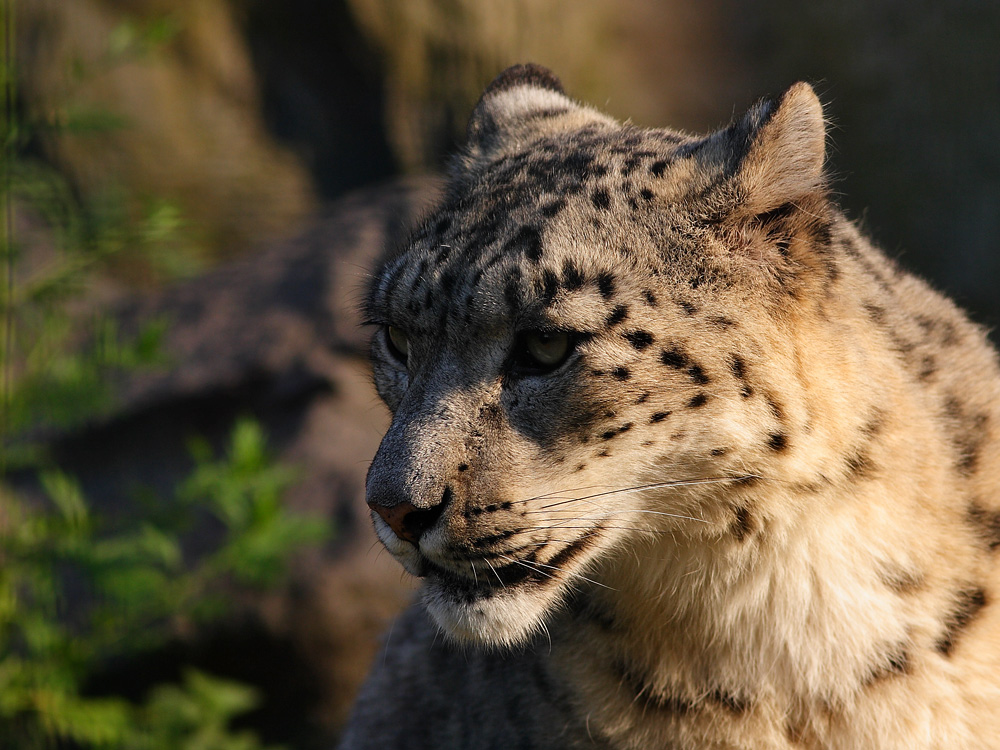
[682,459]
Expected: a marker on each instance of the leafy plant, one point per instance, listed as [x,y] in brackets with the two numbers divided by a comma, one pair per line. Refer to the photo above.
[73,596]
[77,591]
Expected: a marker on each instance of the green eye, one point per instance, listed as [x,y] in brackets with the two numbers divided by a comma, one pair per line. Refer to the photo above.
[541,351]
[398,341]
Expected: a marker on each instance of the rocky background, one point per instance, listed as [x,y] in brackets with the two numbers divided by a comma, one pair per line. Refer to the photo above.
[299,138]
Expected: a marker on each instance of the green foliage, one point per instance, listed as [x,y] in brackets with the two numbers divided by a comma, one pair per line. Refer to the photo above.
[244,493]
[78,590]
[133,587]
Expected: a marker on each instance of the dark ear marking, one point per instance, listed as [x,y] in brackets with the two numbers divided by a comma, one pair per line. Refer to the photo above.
[528,74]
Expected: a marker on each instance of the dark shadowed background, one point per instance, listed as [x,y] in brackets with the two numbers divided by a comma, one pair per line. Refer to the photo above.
[283,144]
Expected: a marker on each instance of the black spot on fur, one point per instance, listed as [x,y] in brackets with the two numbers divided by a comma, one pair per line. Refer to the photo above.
[647,697]
[928,366]
[463,467]
[986,523]
[658,416]
[860,465]
[657,168]
[643,398]
[777,441]
[674,358]
[528,240]
[700,400]
[716,452]
[601,199]
[776,409]
[732,703]
[894,664]
[606,285]
[720,321]
[639,339]
[448,280]
[737,366]
[552,209]
[649,297]
[876,313]
[572,278]
[647,194]
[617,315]
[512,293]
[550,287]
[687,307]
[442,226]
[621,373]
[900,580]
[607,435]
[742,525]
[697,374]
[969,602]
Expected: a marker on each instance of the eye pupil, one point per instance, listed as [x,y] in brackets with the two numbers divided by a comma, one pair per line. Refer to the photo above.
[545,350]
[399,342]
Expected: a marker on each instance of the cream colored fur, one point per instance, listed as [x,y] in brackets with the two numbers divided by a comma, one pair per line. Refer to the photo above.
[757,504]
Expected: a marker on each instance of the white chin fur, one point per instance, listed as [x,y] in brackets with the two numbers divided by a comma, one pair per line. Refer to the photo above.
[507,618]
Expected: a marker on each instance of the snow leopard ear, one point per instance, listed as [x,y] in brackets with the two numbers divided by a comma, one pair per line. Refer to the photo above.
[524,100]
[774,154]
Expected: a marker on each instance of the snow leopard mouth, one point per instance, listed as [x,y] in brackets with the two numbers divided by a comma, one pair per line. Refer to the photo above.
[486,576]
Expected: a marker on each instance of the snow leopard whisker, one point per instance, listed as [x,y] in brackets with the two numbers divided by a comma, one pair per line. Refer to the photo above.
[502,585]
[657,485]
[622,512]
[537,565]
[554,493]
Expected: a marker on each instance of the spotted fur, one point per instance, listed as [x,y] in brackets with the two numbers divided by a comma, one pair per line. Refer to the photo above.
[753,501]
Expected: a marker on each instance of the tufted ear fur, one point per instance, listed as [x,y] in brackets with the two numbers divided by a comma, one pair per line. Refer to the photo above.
[524,100]
[773,155]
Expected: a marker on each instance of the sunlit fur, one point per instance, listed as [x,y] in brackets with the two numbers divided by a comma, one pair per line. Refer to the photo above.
[758,505]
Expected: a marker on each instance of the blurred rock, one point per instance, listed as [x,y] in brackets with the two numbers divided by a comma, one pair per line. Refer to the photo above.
[158,100]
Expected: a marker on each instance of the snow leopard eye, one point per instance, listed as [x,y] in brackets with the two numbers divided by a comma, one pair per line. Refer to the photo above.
[398,343]
[539,352]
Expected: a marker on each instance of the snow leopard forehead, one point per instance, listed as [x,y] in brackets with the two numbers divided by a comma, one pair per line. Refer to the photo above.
[552,199]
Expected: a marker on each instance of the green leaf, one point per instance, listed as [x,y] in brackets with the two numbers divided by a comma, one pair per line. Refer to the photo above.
[65,493]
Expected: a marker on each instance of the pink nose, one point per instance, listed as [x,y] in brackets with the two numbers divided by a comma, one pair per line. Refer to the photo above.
[406,520]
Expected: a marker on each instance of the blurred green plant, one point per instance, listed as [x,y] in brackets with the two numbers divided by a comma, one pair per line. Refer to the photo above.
[73,596]
[78,591]
[51,381]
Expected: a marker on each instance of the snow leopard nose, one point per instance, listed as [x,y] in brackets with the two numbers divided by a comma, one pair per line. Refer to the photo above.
[406,520]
